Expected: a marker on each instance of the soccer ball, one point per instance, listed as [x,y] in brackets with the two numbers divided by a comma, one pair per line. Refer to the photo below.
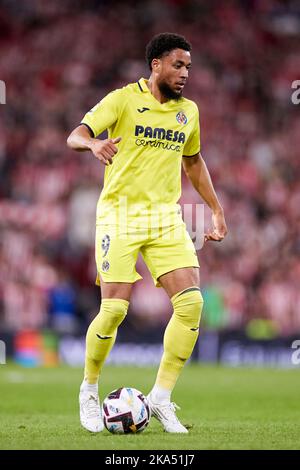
[125,410]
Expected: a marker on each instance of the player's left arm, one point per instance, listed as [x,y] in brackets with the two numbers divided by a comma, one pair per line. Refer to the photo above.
[197,172]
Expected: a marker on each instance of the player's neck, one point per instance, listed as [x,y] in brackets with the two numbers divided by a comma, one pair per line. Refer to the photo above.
[155,91]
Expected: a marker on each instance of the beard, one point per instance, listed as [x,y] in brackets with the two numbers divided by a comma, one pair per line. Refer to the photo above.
[168,92]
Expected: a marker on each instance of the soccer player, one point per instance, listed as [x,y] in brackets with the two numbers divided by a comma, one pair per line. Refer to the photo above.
[152,130]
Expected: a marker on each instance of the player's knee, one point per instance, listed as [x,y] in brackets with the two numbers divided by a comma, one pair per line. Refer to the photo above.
[188,306]
[115,310]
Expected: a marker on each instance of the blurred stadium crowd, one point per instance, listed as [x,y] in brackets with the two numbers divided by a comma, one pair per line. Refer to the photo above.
[57,60]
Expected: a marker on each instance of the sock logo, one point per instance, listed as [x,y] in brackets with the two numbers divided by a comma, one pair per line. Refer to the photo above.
[103,337]
[195,329]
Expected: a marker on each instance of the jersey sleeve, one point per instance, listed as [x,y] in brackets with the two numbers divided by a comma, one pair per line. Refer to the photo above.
[104,114]
[192,145]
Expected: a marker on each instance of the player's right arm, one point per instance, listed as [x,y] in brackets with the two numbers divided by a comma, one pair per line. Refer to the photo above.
[101,117]
[81,139]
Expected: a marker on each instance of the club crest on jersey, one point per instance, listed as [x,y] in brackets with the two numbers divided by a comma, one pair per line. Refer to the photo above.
[105,244]
[105,266]
[181,117]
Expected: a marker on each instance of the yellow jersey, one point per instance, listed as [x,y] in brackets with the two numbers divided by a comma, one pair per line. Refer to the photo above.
[145,177]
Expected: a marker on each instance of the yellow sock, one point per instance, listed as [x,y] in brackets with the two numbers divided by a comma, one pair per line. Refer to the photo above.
[101,336]
[180,336]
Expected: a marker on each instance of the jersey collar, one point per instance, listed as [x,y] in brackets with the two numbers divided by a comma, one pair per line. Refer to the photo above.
[143,85]
[143,88]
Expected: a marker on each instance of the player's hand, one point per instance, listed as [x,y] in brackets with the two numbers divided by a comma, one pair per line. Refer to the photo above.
[105,149]
[219,227]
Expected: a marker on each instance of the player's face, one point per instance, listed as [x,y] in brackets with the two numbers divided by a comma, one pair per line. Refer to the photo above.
[172,72]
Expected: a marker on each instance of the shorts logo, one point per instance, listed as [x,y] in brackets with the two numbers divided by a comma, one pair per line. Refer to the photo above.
[105,244]
[105,266]
[181,117]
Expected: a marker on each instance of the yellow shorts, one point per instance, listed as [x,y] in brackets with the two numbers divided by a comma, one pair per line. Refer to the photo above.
[163,250]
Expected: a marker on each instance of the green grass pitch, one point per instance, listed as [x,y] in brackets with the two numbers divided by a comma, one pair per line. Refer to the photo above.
[228,409]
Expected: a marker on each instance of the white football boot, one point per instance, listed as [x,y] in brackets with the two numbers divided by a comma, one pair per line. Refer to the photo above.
[90,410]
[165,413]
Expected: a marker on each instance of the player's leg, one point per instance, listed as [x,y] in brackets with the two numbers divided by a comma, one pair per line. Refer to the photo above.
[180,337]
[182,286]
[102,332]
[116,260]
[100,338]
[174,266]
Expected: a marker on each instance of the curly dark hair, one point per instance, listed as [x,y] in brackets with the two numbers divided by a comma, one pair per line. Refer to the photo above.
[163,44]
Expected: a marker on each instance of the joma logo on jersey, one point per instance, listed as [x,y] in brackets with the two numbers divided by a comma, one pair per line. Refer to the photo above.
[160,133]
